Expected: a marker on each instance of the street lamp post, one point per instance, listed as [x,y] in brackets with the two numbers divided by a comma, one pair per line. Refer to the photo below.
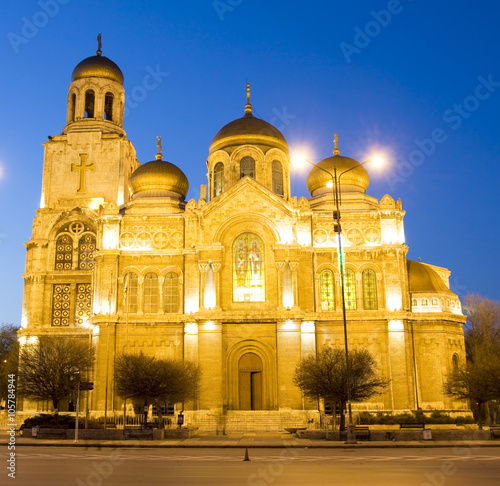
[351,436]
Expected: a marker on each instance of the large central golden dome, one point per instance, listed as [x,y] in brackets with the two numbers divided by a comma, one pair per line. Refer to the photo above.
[248,130]
[355,180]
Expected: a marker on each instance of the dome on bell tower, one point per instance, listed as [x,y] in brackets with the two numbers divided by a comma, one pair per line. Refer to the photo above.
[96,98]
[98,66]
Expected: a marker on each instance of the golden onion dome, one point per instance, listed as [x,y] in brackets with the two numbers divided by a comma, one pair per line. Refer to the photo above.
[356,180]
[98,67]
[159,178]
[423,278]
[248,130]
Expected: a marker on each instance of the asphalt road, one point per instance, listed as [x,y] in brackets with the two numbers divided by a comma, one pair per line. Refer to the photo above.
[59,466]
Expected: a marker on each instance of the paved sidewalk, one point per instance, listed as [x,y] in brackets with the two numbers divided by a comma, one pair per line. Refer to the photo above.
[244,440]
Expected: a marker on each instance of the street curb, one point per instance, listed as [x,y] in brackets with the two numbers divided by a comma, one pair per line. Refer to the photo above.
[254,446]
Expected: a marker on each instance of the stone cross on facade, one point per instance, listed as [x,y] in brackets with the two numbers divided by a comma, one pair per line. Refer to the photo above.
[82,168]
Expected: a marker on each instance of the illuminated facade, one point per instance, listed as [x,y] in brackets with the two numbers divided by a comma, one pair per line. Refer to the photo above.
[243,281]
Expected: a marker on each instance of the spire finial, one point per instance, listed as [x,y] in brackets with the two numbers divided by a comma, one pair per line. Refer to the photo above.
[248,106]
[336,150]
[159,155]
[99,45]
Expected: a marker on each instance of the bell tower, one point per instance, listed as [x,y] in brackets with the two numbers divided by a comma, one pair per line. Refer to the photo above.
[91,161]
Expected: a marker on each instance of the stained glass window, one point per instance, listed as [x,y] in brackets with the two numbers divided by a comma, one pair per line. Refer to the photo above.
[247,167]
[277,177]
[327,294]
[131,292]
[369,289]
[248,269]
[150,304]
[218,179]
[61,304]
[64,252]
[83,303]
[86,248]
[171,292]
[350,290]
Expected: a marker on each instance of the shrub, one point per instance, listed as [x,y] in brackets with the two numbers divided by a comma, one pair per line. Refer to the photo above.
[49,421]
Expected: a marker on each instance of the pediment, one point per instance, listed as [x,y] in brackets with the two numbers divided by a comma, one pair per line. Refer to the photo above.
[247,195]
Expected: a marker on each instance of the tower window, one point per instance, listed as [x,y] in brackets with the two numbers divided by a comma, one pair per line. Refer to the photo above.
[64,252]
[277,178]
[369,289]
[108,106]
[130,292]
[247,167]
[89,104]
[218,179]
[86,249]
[83,308]
[61,301]
[171,293]
[151,293]
[350,290]
[73,107]
[326,290]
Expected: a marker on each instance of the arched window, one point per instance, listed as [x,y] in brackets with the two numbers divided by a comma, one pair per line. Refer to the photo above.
[150,304]
[218,179]
[171,293]
[454,362]
[89,104]
[425,302]
[350,290]
[108,106]
[64,252]
[86,248]
[72,107]
[130,292]
[248,269]
[369,289]
[277,178]
[326,281]
[247,167]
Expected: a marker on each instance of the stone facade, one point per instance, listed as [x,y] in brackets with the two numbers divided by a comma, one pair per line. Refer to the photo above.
[244,281]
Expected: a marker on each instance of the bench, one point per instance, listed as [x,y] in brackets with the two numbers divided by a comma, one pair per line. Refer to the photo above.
[495,432]
[412,425]
[361,432]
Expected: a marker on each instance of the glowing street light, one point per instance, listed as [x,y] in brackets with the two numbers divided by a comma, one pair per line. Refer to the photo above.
[334,183]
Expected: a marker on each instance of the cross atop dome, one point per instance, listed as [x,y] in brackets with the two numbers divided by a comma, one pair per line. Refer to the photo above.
[248,106]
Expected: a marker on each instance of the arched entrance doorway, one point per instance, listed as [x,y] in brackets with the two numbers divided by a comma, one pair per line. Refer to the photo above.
[250,382]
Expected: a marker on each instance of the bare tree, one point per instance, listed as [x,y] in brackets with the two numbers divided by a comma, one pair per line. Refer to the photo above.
[50,367]
[153,380]
[478,380]
[324,376]
[9,353]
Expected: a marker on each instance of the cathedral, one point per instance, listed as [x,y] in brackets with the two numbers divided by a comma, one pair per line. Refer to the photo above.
[243,281]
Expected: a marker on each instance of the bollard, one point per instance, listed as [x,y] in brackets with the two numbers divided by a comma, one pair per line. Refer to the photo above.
[246,455]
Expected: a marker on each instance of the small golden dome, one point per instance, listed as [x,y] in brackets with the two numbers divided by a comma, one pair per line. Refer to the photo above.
[159,178]
[99,67]
[356,180]
[422,278]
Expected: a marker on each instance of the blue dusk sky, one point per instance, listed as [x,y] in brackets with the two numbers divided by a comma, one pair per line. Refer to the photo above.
[419,80]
